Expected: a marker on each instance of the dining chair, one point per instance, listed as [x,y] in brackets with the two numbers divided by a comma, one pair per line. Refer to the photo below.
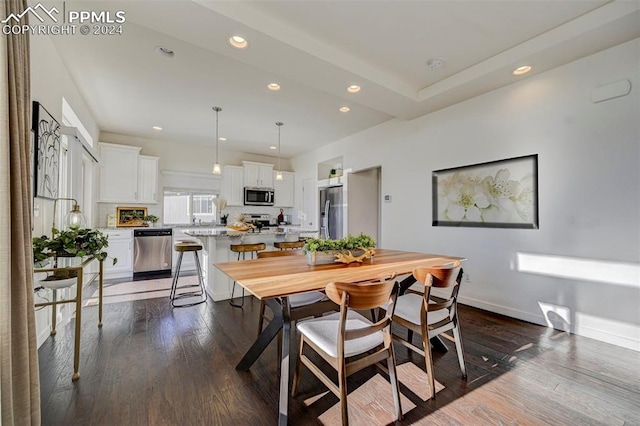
[301,305]
[349,341]
[419,312]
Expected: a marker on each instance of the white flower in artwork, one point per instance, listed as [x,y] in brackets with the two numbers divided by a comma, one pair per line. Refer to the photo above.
[473,198]
[462,198]
[524,200]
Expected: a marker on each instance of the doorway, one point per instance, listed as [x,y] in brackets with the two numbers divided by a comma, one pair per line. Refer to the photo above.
[363,203]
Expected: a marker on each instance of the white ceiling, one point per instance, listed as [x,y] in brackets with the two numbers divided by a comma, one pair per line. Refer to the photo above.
[314,50]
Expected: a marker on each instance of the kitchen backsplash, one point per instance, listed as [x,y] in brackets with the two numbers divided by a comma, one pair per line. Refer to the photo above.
[105,209]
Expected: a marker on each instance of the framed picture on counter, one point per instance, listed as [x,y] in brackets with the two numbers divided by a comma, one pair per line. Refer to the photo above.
[130,216]
[497,194]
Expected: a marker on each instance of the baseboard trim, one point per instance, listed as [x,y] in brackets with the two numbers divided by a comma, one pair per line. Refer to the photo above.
[503,310]
[592,333]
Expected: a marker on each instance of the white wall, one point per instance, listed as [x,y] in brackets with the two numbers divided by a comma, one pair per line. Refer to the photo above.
[589,187]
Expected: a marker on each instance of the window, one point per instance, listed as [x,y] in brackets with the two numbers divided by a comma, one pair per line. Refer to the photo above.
[188,207]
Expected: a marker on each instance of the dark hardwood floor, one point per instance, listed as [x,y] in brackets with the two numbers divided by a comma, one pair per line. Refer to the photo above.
[153,365]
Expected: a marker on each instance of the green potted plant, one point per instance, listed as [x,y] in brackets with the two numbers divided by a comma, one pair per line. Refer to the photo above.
[348,249]
[74,242]
[151,219]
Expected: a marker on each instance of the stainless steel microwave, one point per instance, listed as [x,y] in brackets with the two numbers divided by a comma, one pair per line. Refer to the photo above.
[258,196]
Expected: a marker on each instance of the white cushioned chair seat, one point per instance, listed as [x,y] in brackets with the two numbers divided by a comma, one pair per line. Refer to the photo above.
[304,299]
[409,306]
[323,332]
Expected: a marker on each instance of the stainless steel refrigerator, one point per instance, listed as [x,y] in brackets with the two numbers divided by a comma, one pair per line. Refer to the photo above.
[331,205]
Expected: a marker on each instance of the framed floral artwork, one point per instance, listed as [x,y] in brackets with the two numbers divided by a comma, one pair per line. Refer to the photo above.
[499,194]
[46,132]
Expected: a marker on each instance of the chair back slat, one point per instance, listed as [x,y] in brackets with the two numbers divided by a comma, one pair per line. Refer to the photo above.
[365,331]
[279,253]
[439,276]
[364,295]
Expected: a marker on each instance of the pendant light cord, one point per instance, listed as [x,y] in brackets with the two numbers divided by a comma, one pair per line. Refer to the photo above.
[217,110]
[279,124]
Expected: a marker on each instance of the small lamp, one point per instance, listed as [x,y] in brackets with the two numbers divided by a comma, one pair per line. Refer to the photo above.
[216,166]
[74,218]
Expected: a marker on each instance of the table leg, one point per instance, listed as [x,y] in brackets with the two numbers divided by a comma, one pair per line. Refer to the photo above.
[100,270]
[54,312]
[284,363]
[263,340]
[76,348]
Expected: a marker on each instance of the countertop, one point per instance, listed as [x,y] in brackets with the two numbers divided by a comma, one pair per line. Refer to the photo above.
[222,231]
[226,232]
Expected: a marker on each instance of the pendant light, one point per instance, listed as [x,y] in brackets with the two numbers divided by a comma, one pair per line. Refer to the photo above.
[216,166]
[279,171]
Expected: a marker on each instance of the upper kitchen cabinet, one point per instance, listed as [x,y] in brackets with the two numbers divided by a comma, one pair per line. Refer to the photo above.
[283,189]
[258,174]
[126,176]
[233,185]
[118,173]
[148,179]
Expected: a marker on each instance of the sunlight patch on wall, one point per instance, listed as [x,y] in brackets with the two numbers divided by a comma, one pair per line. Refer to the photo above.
[556,316]
[625,274]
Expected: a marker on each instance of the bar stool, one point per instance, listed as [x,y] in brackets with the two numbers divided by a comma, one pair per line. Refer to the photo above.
[243,249]
[181,247]
[284,245]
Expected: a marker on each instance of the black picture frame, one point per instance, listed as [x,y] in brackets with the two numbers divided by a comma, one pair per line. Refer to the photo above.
[46,132]
[495,194]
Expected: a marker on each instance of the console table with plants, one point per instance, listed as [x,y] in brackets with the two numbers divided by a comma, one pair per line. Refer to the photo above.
[72,266]
[67,256]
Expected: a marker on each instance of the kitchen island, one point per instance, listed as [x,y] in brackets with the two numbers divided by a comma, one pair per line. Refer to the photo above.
[216,242]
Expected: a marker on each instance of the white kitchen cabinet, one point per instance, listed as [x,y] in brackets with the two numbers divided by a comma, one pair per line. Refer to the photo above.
[120,247]
[118,173]
[284,191]
[147,179]
[233,185]
[258,174]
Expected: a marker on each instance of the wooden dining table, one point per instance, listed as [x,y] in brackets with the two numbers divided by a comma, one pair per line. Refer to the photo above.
[274,279]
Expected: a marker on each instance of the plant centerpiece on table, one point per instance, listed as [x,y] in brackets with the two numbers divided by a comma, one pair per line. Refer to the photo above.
[349,249]
[74,242]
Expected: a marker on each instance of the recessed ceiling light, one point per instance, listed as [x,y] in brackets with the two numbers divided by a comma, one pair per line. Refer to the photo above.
[522,70]
[238,42]
[273,147]
[157,128]
[273,86]
[222,139]
[354,88]
[165,51]
[345,109]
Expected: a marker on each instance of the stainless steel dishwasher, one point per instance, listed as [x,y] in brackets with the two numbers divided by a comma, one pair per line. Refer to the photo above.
[151,252]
